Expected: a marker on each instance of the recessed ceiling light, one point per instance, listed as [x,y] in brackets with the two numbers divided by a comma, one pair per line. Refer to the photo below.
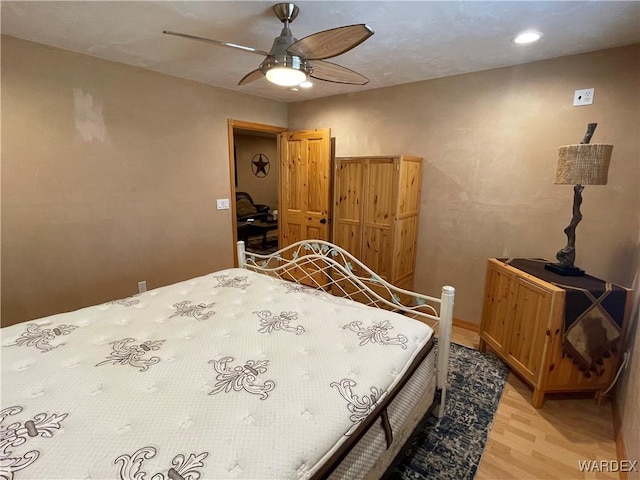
[527,37]
[306,84]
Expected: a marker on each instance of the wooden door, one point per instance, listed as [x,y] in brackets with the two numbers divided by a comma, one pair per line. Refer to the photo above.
[348,209]
[305,185]
[379,216]
[406,229]
[495,313]
[527,343]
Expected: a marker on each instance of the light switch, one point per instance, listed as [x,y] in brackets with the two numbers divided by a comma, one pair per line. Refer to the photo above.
[222,203]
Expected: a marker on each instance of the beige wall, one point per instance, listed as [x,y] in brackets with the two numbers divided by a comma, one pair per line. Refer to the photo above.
[263,190]
[110,176]
[490,142]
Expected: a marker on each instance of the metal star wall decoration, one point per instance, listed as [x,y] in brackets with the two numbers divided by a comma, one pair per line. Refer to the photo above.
[260,165]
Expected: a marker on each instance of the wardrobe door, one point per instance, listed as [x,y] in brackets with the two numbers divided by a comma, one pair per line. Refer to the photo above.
[379,215]
[348,207]
[406,231]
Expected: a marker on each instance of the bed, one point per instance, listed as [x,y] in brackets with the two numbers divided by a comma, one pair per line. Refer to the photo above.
[303,364]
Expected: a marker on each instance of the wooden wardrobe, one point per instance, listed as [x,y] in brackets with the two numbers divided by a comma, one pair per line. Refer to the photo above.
[375,215]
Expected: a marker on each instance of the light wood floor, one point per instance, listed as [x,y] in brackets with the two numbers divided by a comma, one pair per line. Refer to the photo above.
[547,443]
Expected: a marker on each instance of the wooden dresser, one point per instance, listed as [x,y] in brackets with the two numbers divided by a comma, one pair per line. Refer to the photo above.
[375,215]
[523,323]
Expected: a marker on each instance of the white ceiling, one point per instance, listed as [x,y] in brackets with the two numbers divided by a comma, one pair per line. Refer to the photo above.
[413,41]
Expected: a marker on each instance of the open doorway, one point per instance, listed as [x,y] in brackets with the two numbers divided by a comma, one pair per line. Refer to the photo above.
[254,167]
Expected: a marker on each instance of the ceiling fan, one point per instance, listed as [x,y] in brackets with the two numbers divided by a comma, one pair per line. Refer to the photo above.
[291,61]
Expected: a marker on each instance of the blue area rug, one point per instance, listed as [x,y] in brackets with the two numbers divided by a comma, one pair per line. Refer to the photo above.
[450,448]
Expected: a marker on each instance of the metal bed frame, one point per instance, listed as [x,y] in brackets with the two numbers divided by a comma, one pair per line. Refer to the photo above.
[322,265]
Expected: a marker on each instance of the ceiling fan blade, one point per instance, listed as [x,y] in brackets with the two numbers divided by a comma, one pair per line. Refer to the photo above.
[330,43]
[330,72]
[235,46]
[251,76]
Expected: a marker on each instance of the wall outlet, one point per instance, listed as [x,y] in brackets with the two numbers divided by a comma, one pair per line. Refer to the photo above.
[142,286]
[583,97]
[222,203]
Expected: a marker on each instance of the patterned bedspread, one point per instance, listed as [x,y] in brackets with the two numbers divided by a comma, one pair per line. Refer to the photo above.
[230,375]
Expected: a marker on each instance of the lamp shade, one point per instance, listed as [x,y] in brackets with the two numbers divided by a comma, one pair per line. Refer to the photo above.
[583,164]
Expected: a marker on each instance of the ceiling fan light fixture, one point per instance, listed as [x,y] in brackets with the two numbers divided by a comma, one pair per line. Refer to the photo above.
[286,76]
[290,61]
[285,70]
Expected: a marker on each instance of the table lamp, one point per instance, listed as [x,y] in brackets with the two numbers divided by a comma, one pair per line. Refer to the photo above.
[579,165]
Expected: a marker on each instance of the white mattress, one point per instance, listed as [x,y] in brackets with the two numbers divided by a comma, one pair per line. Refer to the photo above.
[371,456]
[230,375]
